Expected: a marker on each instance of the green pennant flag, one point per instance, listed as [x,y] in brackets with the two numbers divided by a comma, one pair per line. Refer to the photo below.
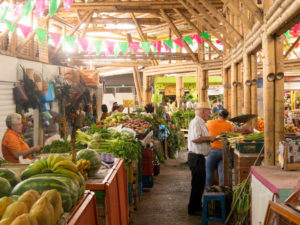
[116,50]
[3,13]
[27,8]
[287,35]
[188,39]
[205,34]
[70,40]
[169,43]
[10,26]
[52,7]
[123,46]
[41,34]
[154,49]
[98,46]
[146,46]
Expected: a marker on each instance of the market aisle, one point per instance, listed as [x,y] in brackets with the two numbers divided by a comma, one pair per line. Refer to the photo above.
[166,203]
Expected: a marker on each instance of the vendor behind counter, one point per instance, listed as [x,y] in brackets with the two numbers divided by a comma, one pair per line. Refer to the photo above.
[13,145]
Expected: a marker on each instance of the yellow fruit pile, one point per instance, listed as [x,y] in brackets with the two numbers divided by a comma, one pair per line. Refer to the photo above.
[83,166]
[260,124]
[32,209]
[290,129]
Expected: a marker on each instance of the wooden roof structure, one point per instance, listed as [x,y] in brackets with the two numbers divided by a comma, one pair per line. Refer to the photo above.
[251,33]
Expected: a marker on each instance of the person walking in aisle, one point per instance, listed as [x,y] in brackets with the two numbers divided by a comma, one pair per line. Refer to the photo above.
[199,147]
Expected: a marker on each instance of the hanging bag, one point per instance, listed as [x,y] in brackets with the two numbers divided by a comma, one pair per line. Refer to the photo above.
[20,96]
[49,96]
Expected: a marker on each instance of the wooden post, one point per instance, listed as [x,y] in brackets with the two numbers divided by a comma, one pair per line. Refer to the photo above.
[279,95]
[254,88]
[198,82]
[247,83]
[240,89]
[137,82]
[225,86]
[234,84]
[229,83]
[206,85]
[268,96]
[179,90]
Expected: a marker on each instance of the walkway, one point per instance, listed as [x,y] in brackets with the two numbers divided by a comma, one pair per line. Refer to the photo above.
[166,203]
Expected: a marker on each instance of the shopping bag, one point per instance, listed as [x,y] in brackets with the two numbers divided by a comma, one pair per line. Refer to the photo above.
[19,94]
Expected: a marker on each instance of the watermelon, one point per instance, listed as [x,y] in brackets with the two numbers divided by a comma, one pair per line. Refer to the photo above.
[41,184]
[93,157]
[10,175]
[5,187]
[72,183]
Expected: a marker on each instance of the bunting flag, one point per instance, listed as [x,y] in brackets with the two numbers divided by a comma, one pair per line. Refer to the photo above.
[10,26]
[219,42]
[134,46]
[28,6]
[123,47]
[52,7]
[197,38]
[116,50]
[67,4]
[178,42]
[168,44]
[98,46]
[84,43]
[25,30]
[16,12]
[90,49]
[70,40]
[156,45]
[296,29]
[40,7]
[3,13]
[110,47]
[41,34]
[287,35]
[55,38]
[146,46]
[188,40]
[205,34]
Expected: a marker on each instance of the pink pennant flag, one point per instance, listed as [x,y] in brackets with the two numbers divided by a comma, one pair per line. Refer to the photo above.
[219,42]
[110,47]
[40,7]
[67,4]
[55,38]
[296,29]
[166,47]
[16,12]
[84,43]
[178,41]
[197,38]
[157,45]
[25,30]
[134,46]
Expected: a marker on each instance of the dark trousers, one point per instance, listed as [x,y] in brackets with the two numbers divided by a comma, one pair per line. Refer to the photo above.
[197,166]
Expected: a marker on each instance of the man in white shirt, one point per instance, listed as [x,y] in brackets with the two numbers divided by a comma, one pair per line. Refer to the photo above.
[199,147]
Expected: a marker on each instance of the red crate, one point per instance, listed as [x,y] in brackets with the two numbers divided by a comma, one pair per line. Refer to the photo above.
[147,162]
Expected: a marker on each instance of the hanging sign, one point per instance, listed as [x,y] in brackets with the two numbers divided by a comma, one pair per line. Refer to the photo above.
[156,98]
[128,103]
[170,90]
[43,45]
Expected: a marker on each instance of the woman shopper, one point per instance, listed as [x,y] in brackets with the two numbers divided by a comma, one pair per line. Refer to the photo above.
[214,159]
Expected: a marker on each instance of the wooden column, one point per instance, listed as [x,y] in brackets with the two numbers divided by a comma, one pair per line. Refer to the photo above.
[279,94]
[240,89]
[229,89]
[200,84]
[147,94]
[205,91]
[179,90]
[247,83]
[254,88]
[137,82]
[268,99]
[225,86]
[234,83]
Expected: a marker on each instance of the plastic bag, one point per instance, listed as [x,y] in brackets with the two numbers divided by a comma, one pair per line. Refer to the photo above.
[49,96]
[163,132]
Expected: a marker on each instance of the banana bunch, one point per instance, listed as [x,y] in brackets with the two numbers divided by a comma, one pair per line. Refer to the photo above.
[53,164]
[83,166]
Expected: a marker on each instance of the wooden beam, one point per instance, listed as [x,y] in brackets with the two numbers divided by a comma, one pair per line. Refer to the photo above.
[178,34]
[141,21]
[86,26]
[254,88]
[252,7]
[246,82]
[234,81]
[74,29]
[292,47]
[288,25]
[221,18]
[212,21]
[235,10]
[197,30]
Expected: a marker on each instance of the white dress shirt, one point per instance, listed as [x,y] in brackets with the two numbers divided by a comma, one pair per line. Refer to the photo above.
[198,128]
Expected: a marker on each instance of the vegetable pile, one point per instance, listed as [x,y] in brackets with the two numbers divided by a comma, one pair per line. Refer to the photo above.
[121,145]
[139,126]
[58,147]
[115,120]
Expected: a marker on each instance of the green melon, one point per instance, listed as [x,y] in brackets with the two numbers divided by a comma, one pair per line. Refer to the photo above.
[5,187]
[93,157]
[10,175]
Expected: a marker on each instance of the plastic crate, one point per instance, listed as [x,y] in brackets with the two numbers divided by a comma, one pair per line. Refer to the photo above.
[249,146]
[148,181]
[147,162]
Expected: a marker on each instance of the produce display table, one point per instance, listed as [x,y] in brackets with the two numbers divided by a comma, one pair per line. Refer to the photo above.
[266,183]
[85,211]
[110,187]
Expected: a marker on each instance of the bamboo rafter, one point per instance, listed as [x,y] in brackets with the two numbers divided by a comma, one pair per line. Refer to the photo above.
[292,47]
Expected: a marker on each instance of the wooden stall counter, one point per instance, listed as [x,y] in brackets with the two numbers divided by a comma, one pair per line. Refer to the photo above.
[269,183]
[110,188]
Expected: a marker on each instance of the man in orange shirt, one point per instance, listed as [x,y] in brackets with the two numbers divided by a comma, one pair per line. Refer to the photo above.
[12,144]
[214,159]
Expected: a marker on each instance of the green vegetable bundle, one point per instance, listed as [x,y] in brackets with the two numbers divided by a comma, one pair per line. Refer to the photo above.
[256,136]
[58,147]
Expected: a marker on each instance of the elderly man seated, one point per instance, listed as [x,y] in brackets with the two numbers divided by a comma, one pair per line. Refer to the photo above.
[12,144]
